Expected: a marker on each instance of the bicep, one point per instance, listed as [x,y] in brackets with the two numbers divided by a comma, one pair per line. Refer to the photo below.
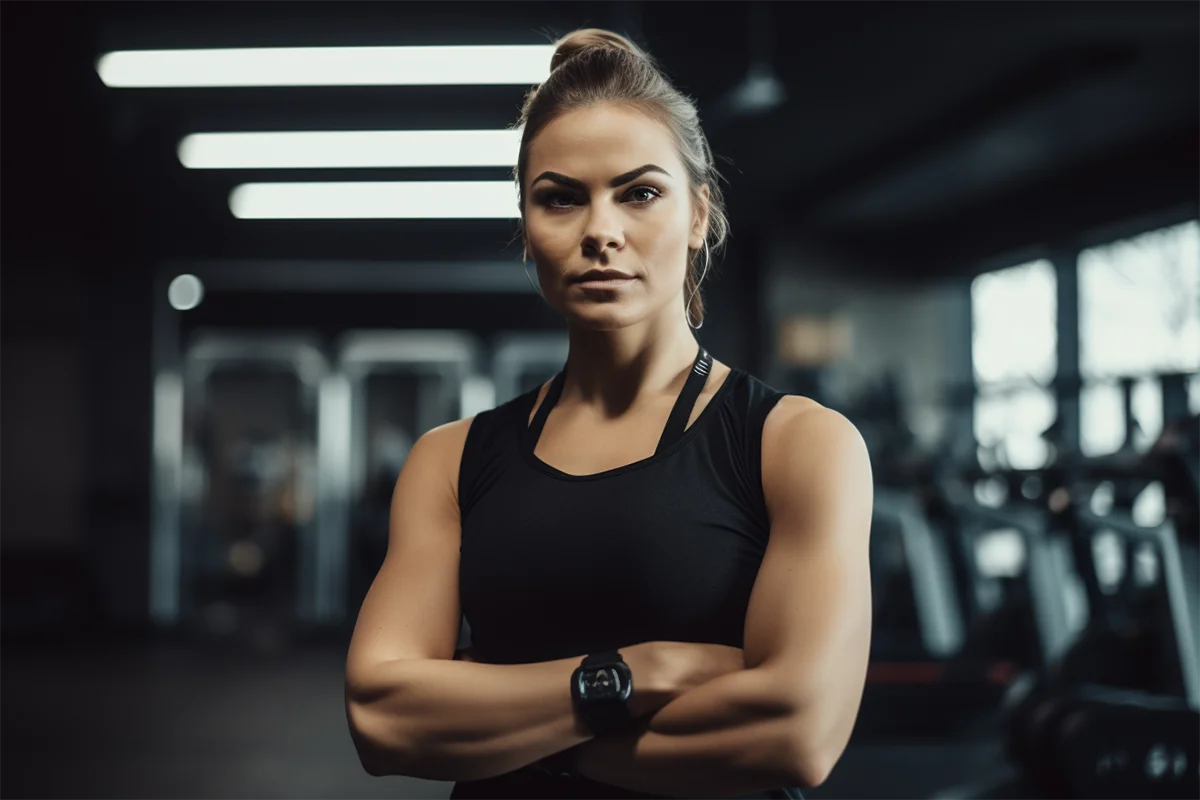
[809,615]
[412,609]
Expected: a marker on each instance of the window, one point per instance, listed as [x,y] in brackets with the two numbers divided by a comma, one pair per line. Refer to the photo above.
[1139,313]
[1013,348]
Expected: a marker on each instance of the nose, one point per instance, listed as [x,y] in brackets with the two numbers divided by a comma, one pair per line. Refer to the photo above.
[603,232]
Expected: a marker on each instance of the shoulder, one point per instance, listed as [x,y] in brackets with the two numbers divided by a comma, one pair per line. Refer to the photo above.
[808,448]
[448,436]
[441,452]
[442,445]
[795,413]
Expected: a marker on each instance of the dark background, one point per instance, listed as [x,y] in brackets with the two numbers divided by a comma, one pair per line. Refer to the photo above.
[919,145]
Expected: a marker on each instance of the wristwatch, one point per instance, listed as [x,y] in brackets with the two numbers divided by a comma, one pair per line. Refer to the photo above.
[600,689]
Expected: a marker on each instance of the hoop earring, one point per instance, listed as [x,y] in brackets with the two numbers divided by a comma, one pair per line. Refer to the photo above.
[687,306]
[532,282]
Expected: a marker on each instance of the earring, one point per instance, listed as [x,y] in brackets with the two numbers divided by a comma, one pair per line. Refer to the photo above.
[687,306]
[532,282]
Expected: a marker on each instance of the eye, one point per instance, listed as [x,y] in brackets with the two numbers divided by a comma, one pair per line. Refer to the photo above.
[643,195]
[557,200]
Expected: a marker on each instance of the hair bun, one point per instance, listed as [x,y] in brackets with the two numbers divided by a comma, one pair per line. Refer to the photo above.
[583,39]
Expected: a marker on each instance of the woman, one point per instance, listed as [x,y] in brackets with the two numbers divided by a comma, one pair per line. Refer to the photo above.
[698,538]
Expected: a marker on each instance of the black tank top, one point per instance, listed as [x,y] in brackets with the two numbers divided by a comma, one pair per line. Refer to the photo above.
[667,548]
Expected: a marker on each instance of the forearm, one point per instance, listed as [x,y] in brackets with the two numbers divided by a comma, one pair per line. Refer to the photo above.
[728,737]
[457,720]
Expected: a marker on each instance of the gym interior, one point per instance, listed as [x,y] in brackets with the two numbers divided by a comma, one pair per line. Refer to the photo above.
[970,228]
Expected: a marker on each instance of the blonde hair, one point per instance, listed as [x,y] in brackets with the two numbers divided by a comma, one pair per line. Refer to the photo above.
[592,66]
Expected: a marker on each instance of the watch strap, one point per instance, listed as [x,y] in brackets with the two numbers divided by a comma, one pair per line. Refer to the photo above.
[608,716]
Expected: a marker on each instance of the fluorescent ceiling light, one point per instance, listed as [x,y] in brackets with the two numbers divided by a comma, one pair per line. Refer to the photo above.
[315,149]
[328,66]
[376,200]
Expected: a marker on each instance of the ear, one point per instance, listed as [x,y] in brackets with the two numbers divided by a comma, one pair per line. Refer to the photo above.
[699,230]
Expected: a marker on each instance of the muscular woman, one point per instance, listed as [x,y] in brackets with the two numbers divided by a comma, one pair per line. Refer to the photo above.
[662,560]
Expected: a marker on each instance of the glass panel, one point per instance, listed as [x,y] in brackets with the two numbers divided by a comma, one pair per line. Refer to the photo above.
[1013,340]
[1139,304]
[1139,312]
[1014,314]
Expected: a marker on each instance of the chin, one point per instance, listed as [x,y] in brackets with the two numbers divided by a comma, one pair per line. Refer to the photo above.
[601,317]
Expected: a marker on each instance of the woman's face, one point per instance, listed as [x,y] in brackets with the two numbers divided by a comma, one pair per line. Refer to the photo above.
[605,190]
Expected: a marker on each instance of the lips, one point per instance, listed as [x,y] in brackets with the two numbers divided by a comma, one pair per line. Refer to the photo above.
[602,275]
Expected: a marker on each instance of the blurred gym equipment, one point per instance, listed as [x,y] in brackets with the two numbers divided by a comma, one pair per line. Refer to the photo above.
[522,361]
[1115,713]
[964,595]
[985,588]
[246,530]
[400,385]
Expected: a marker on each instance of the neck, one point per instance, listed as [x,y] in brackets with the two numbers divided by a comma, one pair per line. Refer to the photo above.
[617,368]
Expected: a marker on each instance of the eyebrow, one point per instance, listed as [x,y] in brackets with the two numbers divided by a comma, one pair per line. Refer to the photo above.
[620,180]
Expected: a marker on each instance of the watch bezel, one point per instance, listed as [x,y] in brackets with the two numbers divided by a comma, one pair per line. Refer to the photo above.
[588,679]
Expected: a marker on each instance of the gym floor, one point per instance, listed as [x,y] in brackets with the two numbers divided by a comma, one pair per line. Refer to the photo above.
[173,720]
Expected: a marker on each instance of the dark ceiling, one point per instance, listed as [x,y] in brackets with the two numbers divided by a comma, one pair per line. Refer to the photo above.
[918,138]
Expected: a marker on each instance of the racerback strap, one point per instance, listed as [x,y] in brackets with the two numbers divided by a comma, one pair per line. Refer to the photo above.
[552,395]
[676,423]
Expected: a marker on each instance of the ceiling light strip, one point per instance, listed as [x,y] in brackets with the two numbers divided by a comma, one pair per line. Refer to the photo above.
[332,149]
[376,200]
[328,66]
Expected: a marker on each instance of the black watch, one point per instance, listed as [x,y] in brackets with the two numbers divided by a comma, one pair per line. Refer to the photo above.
[600,688]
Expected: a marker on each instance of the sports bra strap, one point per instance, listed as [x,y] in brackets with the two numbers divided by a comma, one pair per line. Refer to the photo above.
[682,412]
[676,423]
[539,421]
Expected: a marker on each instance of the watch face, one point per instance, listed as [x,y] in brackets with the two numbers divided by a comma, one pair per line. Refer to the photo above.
[602,684]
